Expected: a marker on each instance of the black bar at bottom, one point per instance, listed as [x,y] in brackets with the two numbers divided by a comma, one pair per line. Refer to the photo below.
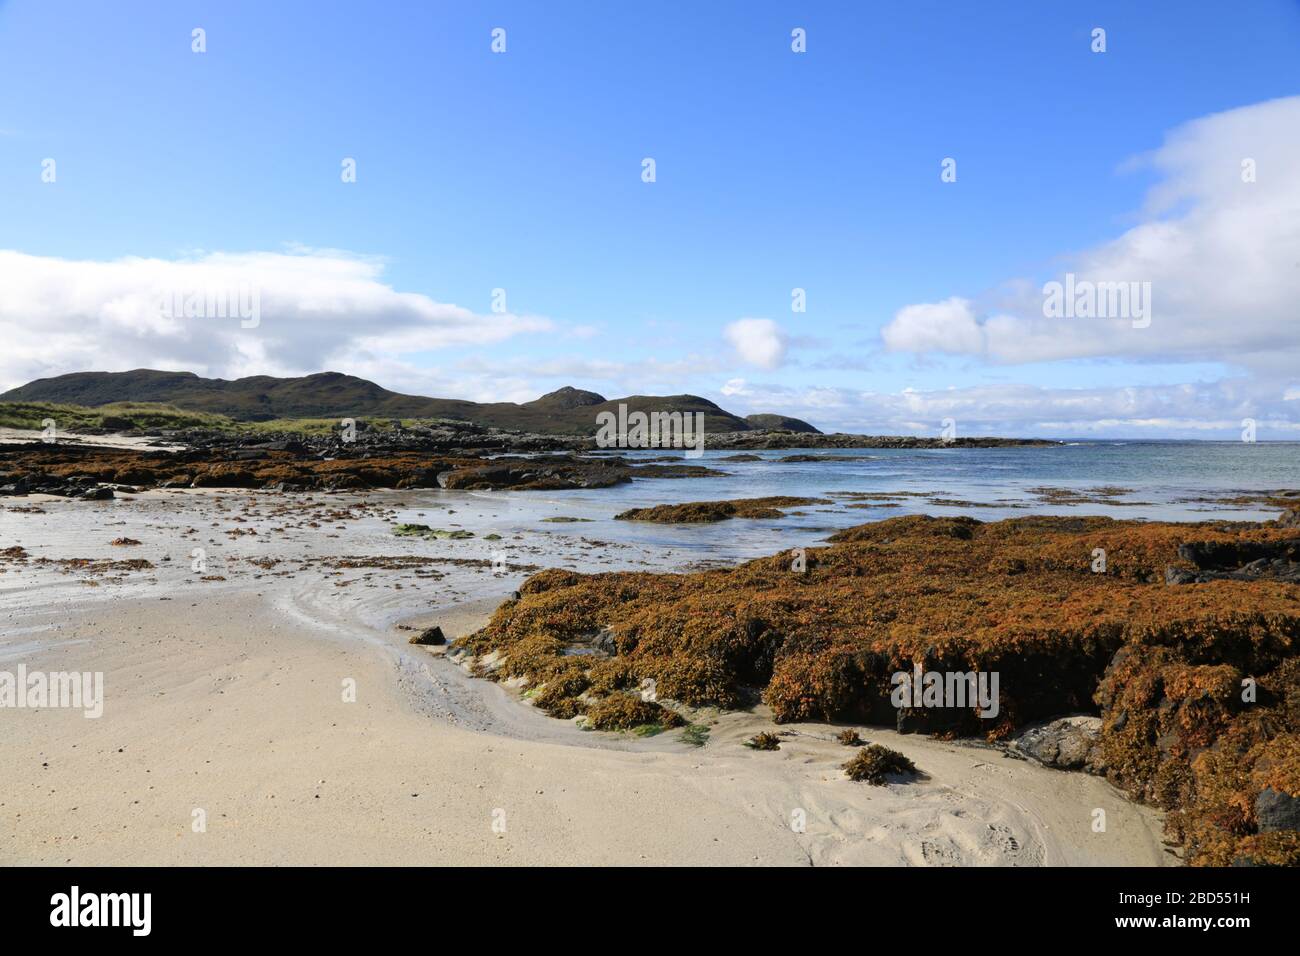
[333,905]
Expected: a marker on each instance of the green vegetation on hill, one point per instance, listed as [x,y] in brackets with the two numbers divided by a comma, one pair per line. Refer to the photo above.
[156,416]
[783,423]
[117,416]
[331,395]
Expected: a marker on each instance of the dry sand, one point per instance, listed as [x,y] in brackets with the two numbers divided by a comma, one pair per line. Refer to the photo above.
[229,699]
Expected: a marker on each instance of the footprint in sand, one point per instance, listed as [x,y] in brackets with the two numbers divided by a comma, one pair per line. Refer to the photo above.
[936,854]
[1004,842]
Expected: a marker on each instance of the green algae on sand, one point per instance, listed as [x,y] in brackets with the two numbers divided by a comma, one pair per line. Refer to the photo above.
[424,531]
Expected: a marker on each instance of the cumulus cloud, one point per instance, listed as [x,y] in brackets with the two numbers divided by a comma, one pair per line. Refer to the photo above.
[1219,244]
[947,326]
[758,342]
[314,310]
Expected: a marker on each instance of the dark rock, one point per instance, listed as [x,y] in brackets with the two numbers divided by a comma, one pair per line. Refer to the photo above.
[18,486]
[1275,810]
[604,641]
[431,635]
[1237,561]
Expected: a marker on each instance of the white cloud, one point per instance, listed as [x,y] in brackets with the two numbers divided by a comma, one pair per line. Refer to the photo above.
[1224,268]
[758,342]
[1203,410]
[318,310]
[947,326]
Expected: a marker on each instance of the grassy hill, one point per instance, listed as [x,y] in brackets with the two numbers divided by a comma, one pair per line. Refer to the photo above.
[332,395]
[113,416]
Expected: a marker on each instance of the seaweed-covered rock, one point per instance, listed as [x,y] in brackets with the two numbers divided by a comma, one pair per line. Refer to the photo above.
[1166,669]
[695,512]
[315,463]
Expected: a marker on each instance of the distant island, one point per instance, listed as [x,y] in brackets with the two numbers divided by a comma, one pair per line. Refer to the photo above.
[149,400]
[260,398]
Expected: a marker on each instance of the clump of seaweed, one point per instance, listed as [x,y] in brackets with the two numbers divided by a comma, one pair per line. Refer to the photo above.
[622,711]
[849,737]
[764,741]
[560,696]
[702,511]
[874,763]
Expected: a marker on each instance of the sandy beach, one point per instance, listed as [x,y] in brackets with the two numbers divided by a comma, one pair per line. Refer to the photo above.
[225,705]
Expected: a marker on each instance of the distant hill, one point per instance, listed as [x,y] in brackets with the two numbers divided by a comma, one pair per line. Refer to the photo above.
[566,411]
[783,423]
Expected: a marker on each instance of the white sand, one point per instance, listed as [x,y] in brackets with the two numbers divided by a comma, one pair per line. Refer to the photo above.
[23,436]
[227,698]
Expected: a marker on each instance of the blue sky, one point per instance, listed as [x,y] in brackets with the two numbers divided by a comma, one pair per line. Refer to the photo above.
[774,170]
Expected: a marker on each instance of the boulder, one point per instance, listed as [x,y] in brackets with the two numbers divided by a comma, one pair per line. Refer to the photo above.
[1275,810]
[1063,744]
[429,636]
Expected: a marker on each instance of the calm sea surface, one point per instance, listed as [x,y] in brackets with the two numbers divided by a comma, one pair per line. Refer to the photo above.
[1160,481]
